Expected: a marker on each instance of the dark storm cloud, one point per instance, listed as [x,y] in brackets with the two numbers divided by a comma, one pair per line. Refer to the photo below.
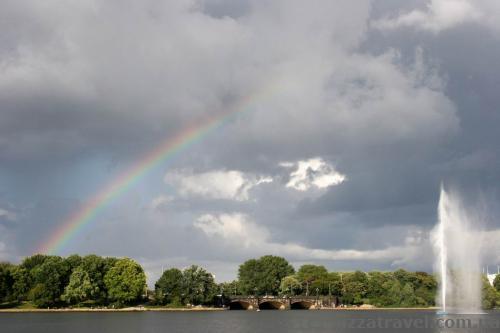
[89,87]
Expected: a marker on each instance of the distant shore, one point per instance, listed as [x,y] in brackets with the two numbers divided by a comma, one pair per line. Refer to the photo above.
[162,309]
[127,309]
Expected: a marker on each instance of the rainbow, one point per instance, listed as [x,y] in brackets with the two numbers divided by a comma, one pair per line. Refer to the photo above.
[73,225]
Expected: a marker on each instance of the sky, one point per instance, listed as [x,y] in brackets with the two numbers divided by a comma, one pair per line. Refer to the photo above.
[353,115]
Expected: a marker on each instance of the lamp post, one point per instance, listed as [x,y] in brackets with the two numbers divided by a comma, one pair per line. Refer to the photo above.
[317,296]
[222,296]
[330,293]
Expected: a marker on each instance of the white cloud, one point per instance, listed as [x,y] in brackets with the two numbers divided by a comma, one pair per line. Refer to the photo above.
[439,15]
[219,184]
[314,172]
[234,227]
[238,230]
[8,215]
[160,201]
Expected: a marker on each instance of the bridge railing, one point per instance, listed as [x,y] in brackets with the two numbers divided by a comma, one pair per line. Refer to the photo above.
[279,297]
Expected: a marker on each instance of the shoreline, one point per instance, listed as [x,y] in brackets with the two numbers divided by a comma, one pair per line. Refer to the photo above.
[145,309]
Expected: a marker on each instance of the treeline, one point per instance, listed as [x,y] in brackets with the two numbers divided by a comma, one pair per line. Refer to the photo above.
[272,275]
[48,281]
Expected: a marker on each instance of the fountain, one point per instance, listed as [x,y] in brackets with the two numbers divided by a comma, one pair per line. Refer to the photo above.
[458,262]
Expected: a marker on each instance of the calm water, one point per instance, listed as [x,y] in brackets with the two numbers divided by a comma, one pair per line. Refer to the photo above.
[243,321]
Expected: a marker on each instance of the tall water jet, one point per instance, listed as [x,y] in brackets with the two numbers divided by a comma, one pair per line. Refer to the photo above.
[458,261]
[442,257]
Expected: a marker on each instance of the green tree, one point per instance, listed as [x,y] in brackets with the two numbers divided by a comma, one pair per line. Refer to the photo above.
[496,283]
[49,280]
[34,261]
[375,287]
[425,289]
[22,283]
[290,285]
[73,261]
[97,267]
[334,284]
[23,275]
[169,287]
[263,276]
[313,277]
[489,294]
[6,282]
[405,277]
[408,298]
[125,281]
[80,287]
[198,285]
[230,288]
[393,295]
[355,286]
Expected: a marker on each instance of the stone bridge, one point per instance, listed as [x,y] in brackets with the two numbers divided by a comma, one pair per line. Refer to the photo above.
[279,303]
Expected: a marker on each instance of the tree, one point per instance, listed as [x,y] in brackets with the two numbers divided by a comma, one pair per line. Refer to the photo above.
[496,282]
[375,287]
[290,285]
[125,281]
[6,282]
[97,267]
[169,287]
[230,288]
[489,294]
[425,289]
[34,261]
[80,287]
[313,277]
[22,283]
[393,294]
[73,261]
[355,286]
[263,276]
[24,280]
[334,284]
[49,280]
[408,298]
[198,285]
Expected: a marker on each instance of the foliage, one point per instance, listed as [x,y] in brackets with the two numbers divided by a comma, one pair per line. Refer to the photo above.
[169,288]
[6,282]
[125,282]
[198,286]
[354,287]
[263,276]
[48,281]
[312,278]
[490,296]
[22,282]
[230,288]
[80,287]
[496,282]
[97,267]
[290,285]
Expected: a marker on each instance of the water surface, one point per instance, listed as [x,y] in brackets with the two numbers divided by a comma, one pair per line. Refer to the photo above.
[240,321]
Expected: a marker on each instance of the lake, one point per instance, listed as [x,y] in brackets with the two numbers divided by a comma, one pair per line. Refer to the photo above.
[247,321]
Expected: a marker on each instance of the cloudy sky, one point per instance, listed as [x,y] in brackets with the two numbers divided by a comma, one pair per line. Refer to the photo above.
[357,111]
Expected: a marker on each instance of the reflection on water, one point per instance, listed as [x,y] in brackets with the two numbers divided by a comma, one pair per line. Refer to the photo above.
[249,321]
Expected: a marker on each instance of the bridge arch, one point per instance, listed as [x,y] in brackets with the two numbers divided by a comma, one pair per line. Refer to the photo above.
[271,305]
[240,305]
[302,305]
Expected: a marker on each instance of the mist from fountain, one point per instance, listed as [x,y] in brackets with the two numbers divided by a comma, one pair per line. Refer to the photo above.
[458,256]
